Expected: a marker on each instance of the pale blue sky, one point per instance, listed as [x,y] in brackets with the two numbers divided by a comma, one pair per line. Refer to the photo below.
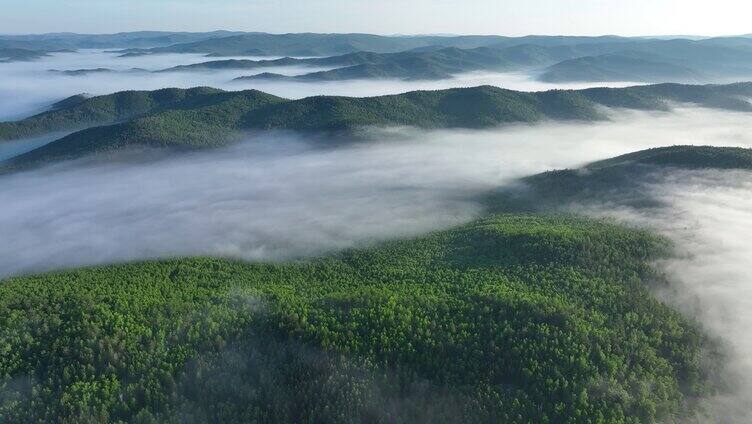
[519,17]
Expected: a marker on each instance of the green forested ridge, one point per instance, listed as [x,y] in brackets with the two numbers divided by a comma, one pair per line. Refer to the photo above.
[206,122]
[694,157]
[204,117]
[511,319]
[77,112]
[618,180]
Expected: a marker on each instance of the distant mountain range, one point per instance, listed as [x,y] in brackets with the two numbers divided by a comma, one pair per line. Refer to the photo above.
[31,47]
[144,39]
[363,56]
[643,60]
[207,117]
[337,44]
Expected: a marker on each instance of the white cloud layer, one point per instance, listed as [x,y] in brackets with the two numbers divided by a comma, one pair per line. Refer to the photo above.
[278,196]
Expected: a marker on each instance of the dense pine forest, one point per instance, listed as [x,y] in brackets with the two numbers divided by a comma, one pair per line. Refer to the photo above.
[511,318]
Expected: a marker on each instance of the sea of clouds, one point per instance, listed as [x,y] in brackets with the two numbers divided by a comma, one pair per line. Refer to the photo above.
[283,195]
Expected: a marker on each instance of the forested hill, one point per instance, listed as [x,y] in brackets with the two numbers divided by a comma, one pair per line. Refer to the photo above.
[512,319]
[204,117]
[687,157]
[79,112]
[620,180]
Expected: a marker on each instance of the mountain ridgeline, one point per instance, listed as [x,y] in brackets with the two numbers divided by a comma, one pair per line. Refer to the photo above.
[205,117]
[647,60]
[71,41]
[623,180]
[309,44]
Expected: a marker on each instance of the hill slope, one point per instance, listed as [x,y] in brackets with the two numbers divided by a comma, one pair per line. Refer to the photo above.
[620,180]
[511,319]
[69,115]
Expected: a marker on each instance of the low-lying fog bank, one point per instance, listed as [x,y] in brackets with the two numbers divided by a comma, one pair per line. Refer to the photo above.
[708,214]
[276,196]
[13,148]
[29,87]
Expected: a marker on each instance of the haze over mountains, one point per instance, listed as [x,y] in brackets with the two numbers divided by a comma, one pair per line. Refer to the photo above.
[60,41]
[562,59]
[284,228]
[51,75]
[559,58]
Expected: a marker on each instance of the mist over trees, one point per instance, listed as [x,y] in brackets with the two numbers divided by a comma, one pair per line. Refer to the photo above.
[251,227]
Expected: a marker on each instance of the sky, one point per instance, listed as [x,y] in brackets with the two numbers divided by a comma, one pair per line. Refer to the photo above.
[504,17]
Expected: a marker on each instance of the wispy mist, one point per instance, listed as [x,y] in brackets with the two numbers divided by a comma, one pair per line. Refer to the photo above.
[29,87]
[12,148]
[708,214]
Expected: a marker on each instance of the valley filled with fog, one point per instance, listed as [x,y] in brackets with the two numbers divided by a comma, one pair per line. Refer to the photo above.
[283,196]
